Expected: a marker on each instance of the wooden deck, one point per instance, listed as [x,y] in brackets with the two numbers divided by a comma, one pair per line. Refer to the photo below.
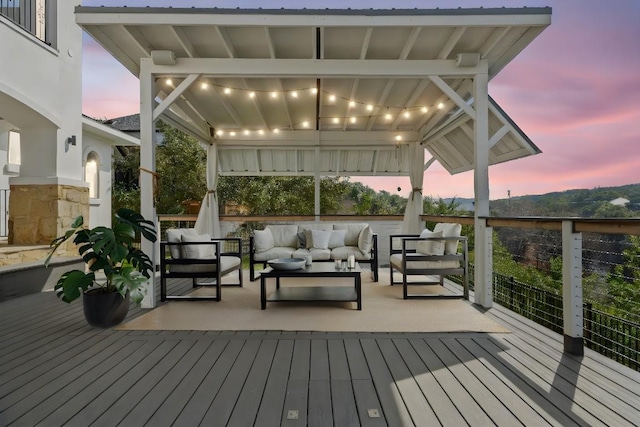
[55,370]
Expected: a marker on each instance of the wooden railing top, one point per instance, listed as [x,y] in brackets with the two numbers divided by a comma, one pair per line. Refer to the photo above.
[586,225]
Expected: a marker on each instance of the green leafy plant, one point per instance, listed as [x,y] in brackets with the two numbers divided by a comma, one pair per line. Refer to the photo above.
[110,250]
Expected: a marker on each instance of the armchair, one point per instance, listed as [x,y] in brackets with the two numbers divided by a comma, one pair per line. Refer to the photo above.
[198,257]
[412,255]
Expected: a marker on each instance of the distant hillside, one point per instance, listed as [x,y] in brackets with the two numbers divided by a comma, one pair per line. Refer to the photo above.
[584,203]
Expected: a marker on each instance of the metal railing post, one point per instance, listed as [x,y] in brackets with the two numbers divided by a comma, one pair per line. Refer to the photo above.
[572,289]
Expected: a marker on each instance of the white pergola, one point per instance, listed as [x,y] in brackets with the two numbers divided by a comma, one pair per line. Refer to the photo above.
[328,92]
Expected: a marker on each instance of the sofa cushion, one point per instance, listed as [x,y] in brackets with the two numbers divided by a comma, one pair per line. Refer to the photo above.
[263,240]
[396,261]
[320,239]
[353,232]
[174,236]
[430,247]
[345,251]
[306,229]
[274,253]
[365,240]
[449,230]
[284,235]
[337,239]
[203,251]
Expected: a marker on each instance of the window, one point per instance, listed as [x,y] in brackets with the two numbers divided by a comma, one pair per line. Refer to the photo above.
[91,174]
[14,149]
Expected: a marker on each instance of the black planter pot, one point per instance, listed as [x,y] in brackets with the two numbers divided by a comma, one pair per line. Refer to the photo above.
[105,309]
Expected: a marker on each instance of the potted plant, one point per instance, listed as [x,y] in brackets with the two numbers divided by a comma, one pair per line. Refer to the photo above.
[115,272]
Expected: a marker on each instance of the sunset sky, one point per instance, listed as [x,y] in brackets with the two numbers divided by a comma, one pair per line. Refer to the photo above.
[575,91]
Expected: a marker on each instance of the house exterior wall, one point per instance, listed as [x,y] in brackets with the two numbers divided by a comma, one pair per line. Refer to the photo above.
[99,207]
[41,98]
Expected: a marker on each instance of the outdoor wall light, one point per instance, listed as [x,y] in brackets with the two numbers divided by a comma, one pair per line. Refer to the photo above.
[71,140]
[163,57]
[467,59]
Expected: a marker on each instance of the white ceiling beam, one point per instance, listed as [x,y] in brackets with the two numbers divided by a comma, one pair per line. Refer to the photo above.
[411,101]
[138,40]
[317,68]
[453,95]
[110,46]
[184,41]
[409,43]
[365,43]
[178,122]
[498,135]
[175,93]
[375,114]
[429,163]
[491,42]
[199,17]
[269,40]
[313,173]
[308,137]
[451,43]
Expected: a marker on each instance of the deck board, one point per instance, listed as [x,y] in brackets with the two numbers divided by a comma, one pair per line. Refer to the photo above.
[55,370]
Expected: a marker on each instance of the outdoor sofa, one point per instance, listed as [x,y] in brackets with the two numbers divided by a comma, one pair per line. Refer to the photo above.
[324,242]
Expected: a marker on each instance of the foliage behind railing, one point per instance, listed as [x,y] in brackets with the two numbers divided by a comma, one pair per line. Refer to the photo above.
[607,334]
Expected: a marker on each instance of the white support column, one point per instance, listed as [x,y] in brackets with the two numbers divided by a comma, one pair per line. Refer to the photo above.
[147,163]
[316,191]
[483,277]
[572,289]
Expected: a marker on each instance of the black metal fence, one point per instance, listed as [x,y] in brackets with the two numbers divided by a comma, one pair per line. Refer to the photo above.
[28,14]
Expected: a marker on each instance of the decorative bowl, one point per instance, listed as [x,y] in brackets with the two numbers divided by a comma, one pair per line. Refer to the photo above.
[286,263]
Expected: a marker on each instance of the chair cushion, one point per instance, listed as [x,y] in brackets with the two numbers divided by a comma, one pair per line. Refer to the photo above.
[274,253]
[449,230]
[203,251]
[396,261]
[174,236]
[352,232]
[365,240]
[227,263]
[263,240]
[430,247]
[284,235]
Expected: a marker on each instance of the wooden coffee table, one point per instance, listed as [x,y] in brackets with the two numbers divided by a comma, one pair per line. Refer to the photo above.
[301,292]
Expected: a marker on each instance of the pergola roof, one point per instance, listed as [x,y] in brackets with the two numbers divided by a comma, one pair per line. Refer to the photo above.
[276,85]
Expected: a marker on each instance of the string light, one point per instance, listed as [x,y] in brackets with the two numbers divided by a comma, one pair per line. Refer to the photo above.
[169,82]
[388,115]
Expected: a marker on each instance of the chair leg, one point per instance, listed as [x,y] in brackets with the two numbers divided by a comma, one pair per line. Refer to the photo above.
[405,291]
[240,275]
[252,272]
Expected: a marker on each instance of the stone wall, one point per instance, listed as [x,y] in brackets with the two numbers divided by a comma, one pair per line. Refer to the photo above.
[40,213]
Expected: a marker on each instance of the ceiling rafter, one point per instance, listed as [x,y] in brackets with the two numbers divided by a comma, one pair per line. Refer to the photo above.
[451,43]
[138,40]
[432,118]
[491,42]
[422,85]
[381,100]
[184,41]
[363,55]
[411,40]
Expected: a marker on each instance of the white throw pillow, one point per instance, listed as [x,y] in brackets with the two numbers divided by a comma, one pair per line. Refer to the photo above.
[263,240]
[198,251]
[174,235]
[353,232]
[430,247]
[449,230]
[337,239]
[320,239]
[365,240]
[284,236]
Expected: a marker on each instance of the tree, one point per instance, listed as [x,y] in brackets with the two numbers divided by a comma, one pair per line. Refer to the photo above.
[181,168]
